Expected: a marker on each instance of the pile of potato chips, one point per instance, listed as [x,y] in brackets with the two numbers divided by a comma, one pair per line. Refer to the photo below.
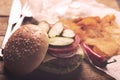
[101,34]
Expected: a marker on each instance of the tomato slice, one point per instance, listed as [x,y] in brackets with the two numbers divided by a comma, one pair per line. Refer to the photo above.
[65,49]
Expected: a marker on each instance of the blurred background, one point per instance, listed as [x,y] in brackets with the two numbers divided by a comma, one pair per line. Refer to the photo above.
[5,5]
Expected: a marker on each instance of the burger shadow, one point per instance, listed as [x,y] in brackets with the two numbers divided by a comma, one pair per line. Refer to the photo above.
[41,75]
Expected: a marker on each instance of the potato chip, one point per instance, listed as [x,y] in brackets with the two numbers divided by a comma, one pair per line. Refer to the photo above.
[103,34]
[108,47]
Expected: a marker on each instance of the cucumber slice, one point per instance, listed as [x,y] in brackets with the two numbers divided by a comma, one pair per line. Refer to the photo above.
[68,33]
[56,30]
[44,25]
[60,41]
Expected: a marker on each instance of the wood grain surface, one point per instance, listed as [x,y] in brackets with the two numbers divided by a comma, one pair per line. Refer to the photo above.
[3,27]
[5,7]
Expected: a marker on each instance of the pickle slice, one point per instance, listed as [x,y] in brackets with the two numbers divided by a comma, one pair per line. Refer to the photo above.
[44,26]
[56,30]
[60,41]
[68,33]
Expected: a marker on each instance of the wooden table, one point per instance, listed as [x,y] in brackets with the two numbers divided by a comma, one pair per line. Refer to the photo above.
[87,72]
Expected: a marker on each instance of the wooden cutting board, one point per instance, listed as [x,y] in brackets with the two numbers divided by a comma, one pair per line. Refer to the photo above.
[5,7]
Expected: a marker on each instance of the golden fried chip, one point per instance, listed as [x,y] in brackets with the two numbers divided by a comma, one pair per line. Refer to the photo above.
[89,21]
[109,47]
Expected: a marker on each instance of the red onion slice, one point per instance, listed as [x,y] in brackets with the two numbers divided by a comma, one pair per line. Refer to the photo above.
[64,55]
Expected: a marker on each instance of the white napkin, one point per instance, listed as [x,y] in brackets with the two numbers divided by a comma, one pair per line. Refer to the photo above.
[113,69]
[49,10]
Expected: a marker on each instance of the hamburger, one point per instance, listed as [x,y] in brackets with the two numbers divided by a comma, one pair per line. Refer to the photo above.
[44,52]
